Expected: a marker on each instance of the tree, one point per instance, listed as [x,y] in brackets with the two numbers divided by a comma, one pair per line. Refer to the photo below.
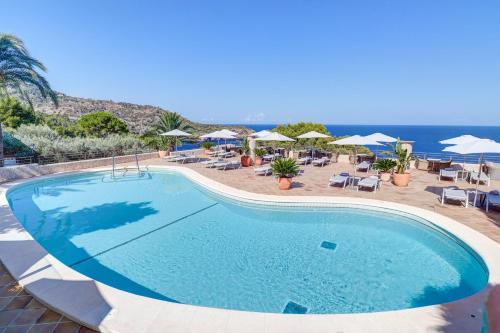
[168,122]
[13,113]
[100,124]
[18,71]
[294,130]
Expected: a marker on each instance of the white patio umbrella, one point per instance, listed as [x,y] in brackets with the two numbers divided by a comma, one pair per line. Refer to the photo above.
[458,141]
[226,131]
[380,137]
[260,134]
[176,133]
[479,146]
[275,136]
[355,140]
[218,135]
[312,135]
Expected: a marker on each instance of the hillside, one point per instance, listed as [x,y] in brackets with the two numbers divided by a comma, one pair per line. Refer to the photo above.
[139,118]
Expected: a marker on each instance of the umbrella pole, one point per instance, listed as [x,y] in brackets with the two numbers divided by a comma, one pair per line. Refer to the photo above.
[478,177]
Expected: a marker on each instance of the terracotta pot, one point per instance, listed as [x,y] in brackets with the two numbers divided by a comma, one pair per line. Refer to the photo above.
[385,176]
[162,153]
[258,160]
[285,183]
[207,151]
[245,161]
[401,179]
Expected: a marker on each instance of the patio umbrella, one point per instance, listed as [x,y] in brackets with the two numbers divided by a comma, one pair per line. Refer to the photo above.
[355,140]
[218,135]
[479,146]
[275,136]
[260,134]
[458,141]
[380,137]
[228,132]
[175,133]
[312,135]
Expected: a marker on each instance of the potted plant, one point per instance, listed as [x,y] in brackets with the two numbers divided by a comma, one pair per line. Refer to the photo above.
[401,177]
[207,145]
[285,169]
[163,147]
[245,149]
[259,152]
[385,167]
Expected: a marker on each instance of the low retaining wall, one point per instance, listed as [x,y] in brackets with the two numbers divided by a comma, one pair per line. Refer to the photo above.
[33,170]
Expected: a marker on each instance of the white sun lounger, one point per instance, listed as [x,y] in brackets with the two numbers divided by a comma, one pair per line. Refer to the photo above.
[227,165]
[321,161]
[455,194]
[263,170]
[474,177]
[304,160]
[364,166]
[492,199]
[340,179]
[211,163]
[372,182]
[448,173]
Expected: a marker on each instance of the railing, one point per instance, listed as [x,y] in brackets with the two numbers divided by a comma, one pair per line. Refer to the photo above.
[470,158]
[66,157]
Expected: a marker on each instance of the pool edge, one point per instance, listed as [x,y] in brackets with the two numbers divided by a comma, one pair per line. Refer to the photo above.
[111,310]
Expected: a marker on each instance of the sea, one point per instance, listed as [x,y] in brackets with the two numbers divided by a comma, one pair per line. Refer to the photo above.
[426,137]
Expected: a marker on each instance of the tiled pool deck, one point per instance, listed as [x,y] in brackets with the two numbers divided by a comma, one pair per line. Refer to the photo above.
[20,313]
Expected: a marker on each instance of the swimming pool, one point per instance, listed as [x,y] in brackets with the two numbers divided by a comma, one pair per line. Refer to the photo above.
[163,236]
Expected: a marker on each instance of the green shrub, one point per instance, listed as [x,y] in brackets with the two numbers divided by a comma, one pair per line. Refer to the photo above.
[384,165]
[260,152]
[100,124]
[207,145]
[13,113]
[285,168]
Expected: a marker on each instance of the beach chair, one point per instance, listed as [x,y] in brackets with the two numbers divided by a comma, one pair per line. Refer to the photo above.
[211,163]
[492,199]
[449,173]
[321,161]
[227,165]
[455,194]
[263,171]
[304,160]
[474,177]
[363,166]
[372,182]
[269,157]
[340,179]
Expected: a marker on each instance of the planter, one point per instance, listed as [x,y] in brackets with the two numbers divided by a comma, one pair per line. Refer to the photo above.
[162,153]
[207,151]
[246,161]
[385,176]
[401,179]
[285,183]
[258,160]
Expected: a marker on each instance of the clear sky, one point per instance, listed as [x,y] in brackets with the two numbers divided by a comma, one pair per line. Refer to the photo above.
[336,62]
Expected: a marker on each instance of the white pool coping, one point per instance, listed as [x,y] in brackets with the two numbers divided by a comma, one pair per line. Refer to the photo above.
[108,309]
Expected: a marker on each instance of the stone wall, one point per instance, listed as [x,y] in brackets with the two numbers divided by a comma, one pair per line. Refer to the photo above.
[32,170]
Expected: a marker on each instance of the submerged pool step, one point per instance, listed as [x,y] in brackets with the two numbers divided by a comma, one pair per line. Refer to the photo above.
[292,307]
[328,245]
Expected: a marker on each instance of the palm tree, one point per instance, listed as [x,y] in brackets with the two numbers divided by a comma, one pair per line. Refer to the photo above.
[19,71]
[168,122]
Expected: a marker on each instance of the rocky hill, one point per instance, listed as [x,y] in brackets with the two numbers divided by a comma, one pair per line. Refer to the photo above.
[139,118]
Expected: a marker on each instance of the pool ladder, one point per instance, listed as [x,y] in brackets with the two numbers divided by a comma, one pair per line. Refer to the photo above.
[127,169]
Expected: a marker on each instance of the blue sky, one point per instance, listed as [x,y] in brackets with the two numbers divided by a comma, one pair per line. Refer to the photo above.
[336,62]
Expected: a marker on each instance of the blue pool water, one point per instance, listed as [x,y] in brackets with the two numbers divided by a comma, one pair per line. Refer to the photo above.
[164,237]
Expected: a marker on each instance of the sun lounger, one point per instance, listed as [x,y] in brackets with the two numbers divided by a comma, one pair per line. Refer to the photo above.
[211,163]
[455,194]
[492,199]
[227,165]
[372,182]
[474,177]
[269,157]
[304,160]
[363,166]
[263,171]
[321,161]
[340,179]
[448,173]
